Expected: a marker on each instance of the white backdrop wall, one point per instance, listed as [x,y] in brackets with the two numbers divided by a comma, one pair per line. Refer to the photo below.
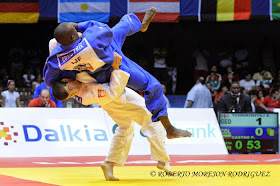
[52,132]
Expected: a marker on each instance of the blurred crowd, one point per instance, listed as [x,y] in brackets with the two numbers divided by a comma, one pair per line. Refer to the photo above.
[21,77]
[262,86]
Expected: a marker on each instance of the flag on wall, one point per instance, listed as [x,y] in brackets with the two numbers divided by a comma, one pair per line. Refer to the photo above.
[48,8]
[266,9]
[275,10]
[189,9]
[19,11]
[225,10]
[167,10]
[83,10]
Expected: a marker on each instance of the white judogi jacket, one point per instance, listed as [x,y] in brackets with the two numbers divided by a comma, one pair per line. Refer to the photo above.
[124,106]
[116,99]
[101,94]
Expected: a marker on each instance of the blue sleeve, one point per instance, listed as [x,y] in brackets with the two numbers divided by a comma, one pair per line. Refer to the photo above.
[52,74]
[100,36]
[37,92]
[59,103]
[82,26]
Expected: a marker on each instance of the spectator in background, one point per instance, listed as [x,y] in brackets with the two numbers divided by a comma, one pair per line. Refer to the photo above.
[42,86]
[258,75]
[225,59]
[228,81]
[43,100]
[28,78]
[213,92]
[166,99]
[265,81]
[272,101]
[199,96]
[200,63]
[160,66]
[235,101]
[241,59]
[214,79]
[229,70]
[276,81]
[257,101]
[10,98]
[223,92]
[248,83]
[37,82]
[214,69]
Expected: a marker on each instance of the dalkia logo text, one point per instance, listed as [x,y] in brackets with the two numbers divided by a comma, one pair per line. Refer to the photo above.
[33,133]
[7,134]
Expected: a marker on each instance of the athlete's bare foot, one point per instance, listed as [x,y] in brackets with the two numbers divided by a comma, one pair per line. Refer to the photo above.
[107,168]
[177,133]
[163,165]
[150,14]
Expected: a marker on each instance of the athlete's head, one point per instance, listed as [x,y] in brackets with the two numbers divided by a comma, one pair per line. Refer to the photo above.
[66,34]
[65,90]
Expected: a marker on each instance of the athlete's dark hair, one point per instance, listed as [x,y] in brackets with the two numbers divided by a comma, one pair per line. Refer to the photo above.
[59,91]
[63,33]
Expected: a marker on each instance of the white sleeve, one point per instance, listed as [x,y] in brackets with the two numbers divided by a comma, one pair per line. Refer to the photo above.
[52,45]
[108,92]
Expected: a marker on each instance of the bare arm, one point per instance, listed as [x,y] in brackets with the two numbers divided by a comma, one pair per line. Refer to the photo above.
[189,103]
[18,102]
[3,101]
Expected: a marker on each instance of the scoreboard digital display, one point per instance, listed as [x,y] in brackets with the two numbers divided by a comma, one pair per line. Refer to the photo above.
[250,132]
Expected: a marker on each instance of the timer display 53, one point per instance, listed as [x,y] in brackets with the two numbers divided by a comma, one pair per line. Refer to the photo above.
[250,132]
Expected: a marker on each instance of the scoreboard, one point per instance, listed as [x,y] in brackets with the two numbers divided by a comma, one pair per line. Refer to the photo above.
[250,132]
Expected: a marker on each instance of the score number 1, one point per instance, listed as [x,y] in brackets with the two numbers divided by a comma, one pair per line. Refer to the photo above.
[259,120]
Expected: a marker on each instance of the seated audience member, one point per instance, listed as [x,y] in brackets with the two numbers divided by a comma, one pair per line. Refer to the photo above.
[214,79]
[214,69]
[235,101]
[229,70]
[257,101]
[223,92]
[43,100]
[276,81]
[37,82]
[228,81]
[248,83]
[28,78]
[10,98]
[265,81]
[213,92]
[59,104]
[272,101]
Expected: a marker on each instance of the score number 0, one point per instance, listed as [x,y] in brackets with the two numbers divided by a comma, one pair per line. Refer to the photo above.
[256,144]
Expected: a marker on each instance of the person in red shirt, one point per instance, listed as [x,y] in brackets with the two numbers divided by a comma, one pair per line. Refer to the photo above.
[273,101]
[257,100]
[43,100]
[223,92]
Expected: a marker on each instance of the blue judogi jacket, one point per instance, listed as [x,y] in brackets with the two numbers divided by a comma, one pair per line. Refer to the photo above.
[94,53]
[94,46]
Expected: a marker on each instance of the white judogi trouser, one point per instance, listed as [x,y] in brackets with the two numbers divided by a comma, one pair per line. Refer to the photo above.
[124,114]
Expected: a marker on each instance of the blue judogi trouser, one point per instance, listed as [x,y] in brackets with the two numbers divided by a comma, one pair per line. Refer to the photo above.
[140,79]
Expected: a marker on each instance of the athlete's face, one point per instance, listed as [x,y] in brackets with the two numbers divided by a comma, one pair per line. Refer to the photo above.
[73,87]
